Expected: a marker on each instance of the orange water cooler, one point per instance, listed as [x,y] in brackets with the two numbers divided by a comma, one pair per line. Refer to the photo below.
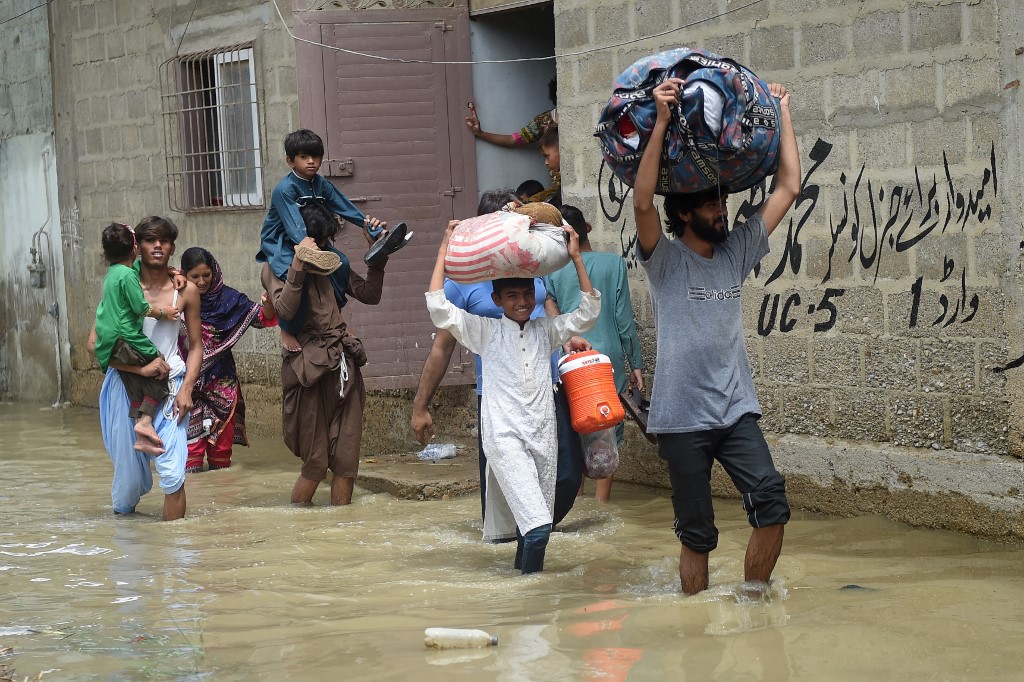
[589,382]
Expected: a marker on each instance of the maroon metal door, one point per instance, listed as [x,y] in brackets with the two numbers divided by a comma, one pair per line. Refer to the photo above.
[395,145]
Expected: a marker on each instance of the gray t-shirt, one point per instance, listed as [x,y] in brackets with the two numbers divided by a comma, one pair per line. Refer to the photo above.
[702,378]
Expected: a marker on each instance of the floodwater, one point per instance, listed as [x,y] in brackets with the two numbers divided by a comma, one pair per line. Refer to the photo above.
[248,588]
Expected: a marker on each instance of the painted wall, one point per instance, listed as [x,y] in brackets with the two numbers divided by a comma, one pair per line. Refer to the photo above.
[883,328]
[508,96]
[33,322]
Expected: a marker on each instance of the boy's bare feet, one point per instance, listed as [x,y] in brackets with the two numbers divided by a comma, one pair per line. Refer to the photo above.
[146,446]
[290,343]
[144,430]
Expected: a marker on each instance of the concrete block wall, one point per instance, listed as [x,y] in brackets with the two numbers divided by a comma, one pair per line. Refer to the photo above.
[887,313]
[115,134]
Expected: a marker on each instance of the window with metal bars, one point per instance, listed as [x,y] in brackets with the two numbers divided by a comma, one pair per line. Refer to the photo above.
[212,130]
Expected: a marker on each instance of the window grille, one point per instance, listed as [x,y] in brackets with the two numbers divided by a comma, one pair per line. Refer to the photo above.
[212,130]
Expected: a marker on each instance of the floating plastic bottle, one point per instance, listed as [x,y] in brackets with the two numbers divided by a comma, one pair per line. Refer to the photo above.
[455,638]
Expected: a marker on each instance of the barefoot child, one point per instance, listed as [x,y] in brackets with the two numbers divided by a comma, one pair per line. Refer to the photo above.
[283,229]
[217,420]
[119,332]
[517,411]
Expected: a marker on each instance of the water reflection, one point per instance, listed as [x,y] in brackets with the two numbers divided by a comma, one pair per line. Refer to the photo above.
[249,588]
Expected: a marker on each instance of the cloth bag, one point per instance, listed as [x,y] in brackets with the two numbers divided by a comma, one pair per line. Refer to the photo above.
[504,244]
[724,131]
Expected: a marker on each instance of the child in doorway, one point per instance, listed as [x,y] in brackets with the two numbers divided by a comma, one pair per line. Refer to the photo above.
[552,159]
[119,332]
[217,420]
[283,229]
[517,411]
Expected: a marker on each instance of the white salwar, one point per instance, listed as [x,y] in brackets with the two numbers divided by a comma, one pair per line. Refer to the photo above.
[517,410]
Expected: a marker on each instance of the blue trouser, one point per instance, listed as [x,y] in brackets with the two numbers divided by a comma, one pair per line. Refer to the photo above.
[570,460]
[530,549]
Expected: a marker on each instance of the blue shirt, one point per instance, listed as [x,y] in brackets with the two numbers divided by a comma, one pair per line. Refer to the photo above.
[284,227]
[476,299]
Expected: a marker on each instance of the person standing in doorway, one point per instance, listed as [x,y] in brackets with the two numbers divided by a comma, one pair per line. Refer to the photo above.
[704,406]
[615,332]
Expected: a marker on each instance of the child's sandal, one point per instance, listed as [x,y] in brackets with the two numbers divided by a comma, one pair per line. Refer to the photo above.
[321,262]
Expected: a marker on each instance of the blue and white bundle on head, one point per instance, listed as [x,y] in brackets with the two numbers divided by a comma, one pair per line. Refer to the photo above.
[724,131]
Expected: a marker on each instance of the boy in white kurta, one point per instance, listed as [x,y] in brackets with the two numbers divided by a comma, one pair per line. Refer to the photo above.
[517,411]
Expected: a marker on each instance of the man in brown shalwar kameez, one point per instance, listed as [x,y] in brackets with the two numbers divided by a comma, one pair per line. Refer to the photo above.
[323,392]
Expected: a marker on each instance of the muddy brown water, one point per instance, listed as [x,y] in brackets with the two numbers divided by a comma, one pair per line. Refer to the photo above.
[248,588]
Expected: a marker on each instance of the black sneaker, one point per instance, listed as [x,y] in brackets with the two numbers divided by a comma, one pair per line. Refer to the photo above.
[395,239]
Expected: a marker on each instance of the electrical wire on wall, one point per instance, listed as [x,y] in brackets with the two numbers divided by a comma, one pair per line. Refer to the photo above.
[507,61]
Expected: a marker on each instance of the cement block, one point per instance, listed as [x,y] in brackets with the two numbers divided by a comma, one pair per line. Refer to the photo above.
[807,101]
[883,146]
[901,308]
[770,399]
[96,48]
[992,320]
[652,16]
[859,311]
[754,344]
[971,83]
[610,24]
[818,264]
[572,28]
[980,425]
[878,33]
[992,357]
[596,74]
[786,359]
[733,45]
[993,252]
[836,361]
[860,415]
[932,138]
[822,43]
[807,410]
[252,368]
[918,421]
[106,20]
[115,45]
[908,87]
[692,11]
[982,22]
[948,367]
[86,18]
[855,94]
[891,364]
[124,10]
[936,26]
[937,253]
[771,49]
[986,131]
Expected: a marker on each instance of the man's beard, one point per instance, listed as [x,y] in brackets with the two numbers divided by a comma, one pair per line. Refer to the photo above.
[707,230]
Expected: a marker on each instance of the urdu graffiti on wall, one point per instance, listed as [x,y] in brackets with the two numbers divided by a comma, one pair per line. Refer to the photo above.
[876,220]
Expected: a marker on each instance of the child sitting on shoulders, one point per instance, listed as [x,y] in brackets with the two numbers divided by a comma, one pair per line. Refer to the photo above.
[119,332]
[517,411]
[283,229]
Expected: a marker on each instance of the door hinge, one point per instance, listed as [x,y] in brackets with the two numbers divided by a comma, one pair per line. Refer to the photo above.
[444,26]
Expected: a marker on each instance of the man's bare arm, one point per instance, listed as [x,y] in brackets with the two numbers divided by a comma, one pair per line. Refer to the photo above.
[787,178]
[433,371]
